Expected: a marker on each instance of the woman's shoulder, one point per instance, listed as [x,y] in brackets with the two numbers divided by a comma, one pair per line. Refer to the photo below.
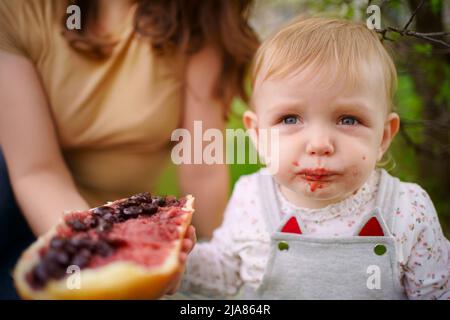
[32,10]
[25,24]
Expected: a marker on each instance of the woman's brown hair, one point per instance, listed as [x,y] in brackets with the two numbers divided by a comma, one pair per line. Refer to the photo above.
[185,26]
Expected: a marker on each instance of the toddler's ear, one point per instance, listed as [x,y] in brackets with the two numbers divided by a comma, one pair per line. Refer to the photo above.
[391,127]
[251,124]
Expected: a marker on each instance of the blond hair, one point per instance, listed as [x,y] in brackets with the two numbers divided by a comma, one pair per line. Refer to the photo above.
[321,42]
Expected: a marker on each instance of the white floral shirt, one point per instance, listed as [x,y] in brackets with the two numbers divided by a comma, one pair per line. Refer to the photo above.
[239,250]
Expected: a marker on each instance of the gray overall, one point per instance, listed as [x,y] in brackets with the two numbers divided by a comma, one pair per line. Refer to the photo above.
[354,267]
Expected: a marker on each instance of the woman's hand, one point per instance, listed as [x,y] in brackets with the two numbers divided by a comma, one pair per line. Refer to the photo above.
[188,244]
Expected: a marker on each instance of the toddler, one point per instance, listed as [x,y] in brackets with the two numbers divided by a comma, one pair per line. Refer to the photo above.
[325,222]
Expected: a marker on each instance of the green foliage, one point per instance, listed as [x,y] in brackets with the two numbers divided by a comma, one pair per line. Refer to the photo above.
[443,96]
[235,122]
[396,4]
[436,6]
[408,106]
[423,48]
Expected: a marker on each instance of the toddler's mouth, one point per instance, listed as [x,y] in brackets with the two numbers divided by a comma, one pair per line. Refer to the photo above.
[317,174]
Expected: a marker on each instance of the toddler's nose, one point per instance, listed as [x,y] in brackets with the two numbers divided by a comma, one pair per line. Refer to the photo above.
[320,146]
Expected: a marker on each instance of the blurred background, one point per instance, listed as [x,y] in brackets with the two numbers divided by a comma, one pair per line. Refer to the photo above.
[420,152]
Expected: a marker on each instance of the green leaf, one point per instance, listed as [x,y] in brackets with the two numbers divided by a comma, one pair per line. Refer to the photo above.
[443,96]
[436,6]
[423,48]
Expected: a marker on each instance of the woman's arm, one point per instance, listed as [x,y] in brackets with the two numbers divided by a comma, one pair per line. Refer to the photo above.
[40,179]
[208,183]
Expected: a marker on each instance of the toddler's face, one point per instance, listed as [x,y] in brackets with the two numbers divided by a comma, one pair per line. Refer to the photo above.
[329,138]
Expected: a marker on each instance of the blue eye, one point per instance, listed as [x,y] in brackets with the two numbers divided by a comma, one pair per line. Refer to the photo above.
[290,120]
[348,121]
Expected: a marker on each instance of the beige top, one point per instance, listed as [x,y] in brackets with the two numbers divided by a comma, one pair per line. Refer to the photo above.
[113,117]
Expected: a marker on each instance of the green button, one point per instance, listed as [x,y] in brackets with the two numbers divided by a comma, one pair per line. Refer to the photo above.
[283,245]
[380,249]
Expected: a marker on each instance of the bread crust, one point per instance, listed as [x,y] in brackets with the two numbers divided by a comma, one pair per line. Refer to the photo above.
[116,280]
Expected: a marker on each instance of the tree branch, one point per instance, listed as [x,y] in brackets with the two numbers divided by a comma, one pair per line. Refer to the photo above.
[441,123]
[430,36]
[419,35]
[413,15]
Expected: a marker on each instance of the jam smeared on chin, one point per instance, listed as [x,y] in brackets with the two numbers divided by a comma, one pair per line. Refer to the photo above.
[314,185]
[123,230]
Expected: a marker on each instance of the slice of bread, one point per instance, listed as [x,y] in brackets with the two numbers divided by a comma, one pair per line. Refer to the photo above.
[117,279]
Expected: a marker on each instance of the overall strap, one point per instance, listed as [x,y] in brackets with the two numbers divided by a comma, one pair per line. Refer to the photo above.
[387,197]
[269,200]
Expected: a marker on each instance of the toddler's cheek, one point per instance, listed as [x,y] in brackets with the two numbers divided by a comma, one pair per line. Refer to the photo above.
[287,178]
[360,158]
[356,176]
[282,165]
[366,164]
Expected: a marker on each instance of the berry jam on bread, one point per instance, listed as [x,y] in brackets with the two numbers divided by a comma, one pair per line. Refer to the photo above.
[126,249]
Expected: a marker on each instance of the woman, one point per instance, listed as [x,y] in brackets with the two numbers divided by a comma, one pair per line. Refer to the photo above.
[86,115]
